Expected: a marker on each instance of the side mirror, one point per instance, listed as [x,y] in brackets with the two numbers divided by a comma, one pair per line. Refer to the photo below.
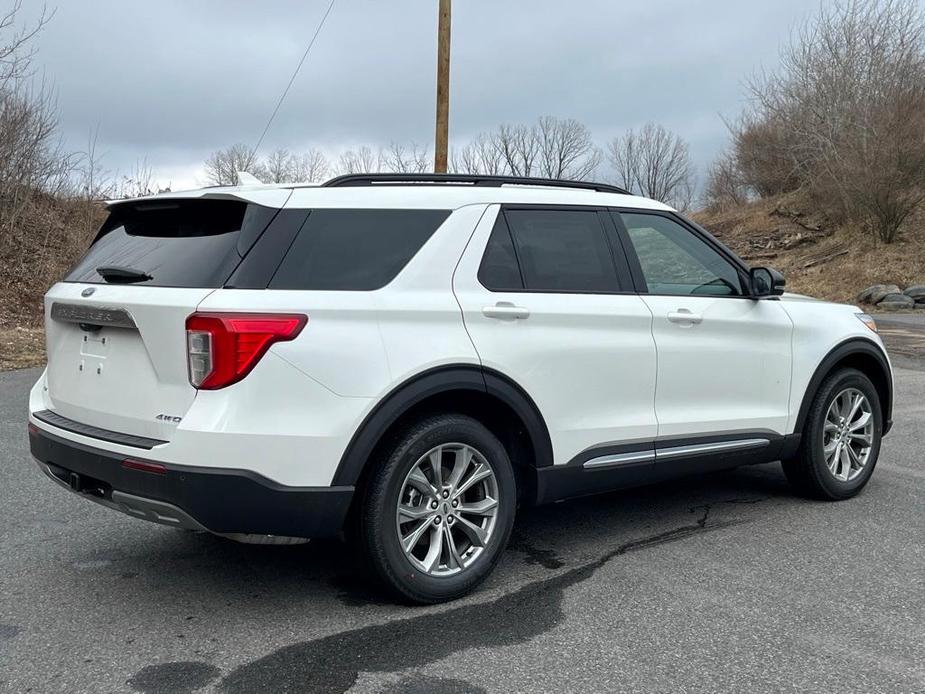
[766,281]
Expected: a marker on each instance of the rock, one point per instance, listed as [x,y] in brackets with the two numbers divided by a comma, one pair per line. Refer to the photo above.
[916,291]
[892,302]
[875,294]
[920,305]
[899,297]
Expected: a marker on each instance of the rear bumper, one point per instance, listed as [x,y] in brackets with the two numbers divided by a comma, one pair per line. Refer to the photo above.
[222,501]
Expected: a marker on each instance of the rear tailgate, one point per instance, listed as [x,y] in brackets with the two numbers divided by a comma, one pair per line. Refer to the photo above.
[115,327]
[131,378]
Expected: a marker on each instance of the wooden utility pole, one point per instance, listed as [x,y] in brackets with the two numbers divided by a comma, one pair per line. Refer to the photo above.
[443,88]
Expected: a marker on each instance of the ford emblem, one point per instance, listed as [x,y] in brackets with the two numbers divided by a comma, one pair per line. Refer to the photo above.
[88,291]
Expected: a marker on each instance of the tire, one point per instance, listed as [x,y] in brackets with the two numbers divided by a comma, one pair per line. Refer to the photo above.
[430,574]
[809,472]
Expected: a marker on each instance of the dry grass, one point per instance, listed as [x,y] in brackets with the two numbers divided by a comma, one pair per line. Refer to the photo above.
[37,246]
[818,257]
[21,348]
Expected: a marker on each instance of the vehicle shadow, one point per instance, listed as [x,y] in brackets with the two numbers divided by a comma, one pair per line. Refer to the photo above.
[551,537]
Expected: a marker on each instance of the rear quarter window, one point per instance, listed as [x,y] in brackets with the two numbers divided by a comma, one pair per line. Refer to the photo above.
[354,250]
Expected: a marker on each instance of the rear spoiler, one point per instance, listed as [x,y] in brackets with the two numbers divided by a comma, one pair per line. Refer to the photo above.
[266,196]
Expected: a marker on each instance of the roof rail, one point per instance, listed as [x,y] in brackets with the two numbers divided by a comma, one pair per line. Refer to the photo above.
[396,179]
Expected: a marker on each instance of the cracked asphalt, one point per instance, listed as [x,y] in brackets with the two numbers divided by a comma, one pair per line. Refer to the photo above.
[722,582]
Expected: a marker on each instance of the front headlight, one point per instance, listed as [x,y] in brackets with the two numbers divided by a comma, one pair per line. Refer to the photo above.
[867,320]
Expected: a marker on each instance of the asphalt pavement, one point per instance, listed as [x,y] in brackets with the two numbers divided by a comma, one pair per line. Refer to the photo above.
[722,582]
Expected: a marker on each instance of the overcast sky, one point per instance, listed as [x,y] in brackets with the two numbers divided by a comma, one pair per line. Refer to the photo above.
[172,80]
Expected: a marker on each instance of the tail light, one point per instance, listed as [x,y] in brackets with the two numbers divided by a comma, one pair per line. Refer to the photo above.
[222,348]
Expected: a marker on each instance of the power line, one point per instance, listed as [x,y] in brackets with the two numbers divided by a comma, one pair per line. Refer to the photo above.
[292,79]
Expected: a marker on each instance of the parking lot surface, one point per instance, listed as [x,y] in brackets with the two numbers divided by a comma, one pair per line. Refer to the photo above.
[718,582]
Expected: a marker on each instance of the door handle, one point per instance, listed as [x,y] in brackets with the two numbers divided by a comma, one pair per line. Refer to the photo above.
[683,315]
[505,310]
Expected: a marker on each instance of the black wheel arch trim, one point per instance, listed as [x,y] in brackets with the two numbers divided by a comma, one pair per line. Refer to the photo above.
[433,382]
[848,348]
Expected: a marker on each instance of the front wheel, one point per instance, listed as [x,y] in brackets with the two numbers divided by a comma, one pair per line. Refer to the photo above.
[841,438]
[438,511]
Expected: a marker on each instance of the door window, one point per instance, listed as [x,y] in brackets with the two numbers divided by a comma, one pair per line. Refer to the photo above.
[675,261]
[555,251]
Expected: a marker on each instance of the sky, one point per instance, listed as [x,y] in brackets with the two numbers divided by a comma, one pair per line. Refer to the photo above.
[168,82]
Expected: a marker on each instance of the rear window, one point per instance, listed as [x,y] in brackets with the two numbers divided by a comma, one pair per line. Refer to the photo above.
[186,243]
[354,250]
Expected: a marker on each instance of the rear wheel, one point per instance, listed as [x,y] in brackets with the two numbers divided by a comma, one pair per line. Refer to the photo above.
[438,511]
[841,438]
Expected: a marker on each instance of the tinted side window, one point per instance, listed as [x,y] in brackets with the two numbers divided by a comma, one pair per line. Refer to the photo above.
[354,249]
[562,250]
[676,261]
[499,270]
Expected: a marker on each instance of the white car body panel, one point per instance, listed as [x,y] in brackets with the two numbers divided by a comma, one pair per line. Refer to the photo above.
[121,379]
[586,360]
[729,372]
[297,442]
[818,328]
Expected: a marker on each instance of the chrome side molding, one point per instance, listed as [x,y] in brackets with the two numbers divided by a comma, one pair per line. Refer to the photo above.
[619,459]
[716,447]
[637,457]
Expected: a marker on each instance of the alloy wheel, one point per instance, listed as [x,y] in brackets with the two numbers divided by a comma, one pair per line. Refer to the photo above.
[447,509]
[848,434]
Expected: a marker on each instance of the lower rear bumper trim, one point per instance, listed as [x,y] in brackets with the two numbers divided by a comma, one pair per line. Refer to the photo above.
[220,500]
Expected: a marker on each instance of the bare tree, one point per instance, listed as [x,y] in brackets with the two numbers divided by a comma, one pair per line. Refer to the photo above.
[222,166]
[44,204]
[767,155]
[362,160]
[566,149]
[655,163]
[480,156]
[310,166]
[518,147]
[17,52]
[138,183]
[398,158]
[278,166]
[550,148]
[850,94]
[282,166]
[725,184]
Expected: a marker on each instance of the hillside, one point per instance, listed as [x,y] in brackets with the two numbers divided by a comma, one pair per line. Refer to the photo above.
[818,257]
[38,243]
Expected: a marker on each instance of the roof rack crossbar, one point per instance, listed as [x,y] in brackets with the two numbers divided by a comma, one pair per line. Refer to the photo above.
[472,179]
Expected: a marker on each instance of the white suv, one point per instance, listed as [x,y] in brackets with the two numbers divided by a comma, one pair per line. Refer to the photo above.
[412,357]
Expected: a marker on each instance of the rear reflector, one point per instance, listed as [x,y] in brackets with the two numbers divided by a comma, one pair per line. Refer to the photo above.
[143,466]
[222,348]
